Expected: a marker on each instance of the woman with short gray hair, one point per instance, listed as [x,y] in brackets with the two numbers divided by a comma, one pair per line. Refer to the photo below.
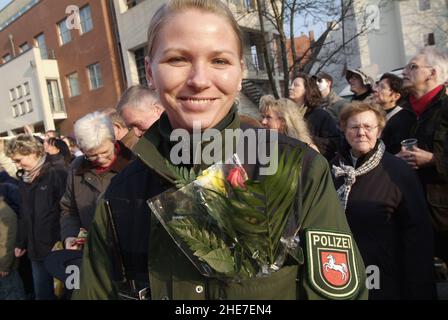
[93,130]
[90,175]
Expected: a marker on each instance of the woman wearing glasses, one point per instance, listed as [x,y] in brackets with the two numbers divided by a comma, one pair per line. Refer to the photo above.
[385,208]
[90,174]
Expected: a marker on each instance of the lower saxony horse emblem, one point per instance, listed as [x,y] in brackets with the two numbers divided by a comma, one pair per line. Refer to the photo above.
[332,264]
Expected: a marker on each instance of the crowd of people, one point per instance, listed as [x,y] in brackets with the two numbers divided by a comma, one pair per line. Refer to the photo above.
[358,181]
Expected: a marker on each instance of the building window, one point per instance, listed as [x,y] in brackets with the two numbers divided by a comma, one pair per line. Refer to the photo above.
[86,19]
[429,39]
[29,106]
[73,84]
[6,58]
[40,42]
[249,4]
[26,86]
[140,63]
[65,35]
[22,108]
[54,94]
[95,77]
[15,110]
[132,3]
[12,94]
[424,5]
[19,92]
[24,47]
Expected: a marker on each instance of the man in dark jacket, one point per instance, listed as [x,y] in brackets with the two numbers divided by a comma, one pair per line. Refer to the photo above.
[89,176]
[424,76]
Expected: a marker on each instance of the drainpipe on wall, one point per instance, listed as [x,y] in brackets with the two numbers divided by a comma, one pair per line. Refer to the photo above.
[11,43]
[117,39]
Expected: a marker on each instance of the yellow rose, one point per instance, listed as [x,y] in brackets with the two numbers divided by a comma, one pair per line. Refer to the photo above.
[212,178]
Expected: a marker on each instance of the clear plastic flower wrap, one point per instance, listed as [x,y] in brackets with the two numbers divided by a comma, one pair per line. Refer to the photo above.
[232,227]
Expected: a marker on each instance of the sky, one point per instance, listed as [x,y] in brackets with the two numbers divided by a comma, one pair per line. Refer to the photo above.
[3,3]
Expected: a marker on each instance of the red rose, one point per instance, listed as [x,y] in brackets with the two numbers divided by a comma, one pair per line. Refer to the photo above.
[236,177]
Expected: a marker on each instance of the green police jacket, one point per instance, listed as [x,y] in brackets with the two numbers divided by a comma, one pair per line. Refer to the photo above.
[332,267]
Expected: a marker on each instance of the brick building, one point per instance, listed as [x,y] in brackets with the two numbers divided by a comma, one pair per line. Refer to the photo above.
[55,68]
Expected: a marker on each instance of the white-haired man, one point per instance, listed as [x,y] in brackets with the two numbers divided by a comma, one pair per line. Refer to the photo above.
[139,108]
[424,76]
[90,175]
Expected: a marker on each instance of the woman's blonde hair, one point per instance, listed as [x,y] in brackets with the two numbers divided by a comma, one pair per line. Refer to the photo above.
[174,6]
[291,116]
[24,145]
[356,107]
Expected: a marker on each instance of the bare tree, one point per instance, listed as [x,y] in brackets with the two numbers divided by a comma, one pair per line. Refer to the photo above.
[281,13]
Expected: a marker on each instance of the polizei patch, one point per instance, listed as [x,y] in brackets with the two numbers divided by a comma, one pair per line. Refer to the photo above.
[332,264]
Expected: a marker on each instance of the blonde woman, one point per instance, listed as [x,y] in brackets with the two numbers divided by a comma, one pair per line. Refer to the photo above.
[284,116]
[41,187]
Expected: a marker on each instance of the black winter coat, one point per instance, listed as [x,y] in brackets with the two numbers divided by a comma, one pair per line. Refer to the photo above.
[324,130]
[40,211]
[390,221]
[431,130]
[398,128]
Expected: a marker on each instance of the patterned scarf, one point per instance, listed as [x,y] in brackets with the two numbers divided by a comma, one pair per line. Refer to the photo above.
[29,176]
[351,173]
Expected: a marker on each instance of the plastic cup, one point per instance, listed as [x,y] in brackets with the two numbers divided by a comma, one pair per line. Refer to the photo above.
[409,144]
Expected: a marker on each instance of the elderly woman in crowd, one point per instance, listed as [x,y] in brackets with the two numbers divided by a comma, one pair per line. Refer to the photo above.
[385,207]
[305,93]
[90,175]
[196,69]
[284,116]
[41,189]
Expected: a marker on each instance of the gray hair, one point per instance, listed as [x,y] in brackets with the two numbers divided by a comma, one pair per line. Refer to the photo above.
[92,130]
[24,145]
[134,96]
[438,60]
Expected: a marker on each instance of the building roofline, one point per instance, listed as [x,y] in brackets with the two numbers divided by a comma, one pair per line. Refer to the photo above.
[18,14]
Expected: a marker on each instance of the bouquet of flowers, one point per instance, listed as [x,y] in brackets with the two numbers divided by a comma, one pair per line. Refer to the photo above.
[230,226]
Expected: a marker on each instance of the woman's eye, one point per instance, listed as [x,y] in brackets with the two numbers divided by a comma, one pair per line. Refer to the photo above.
[176,59]
[220,61]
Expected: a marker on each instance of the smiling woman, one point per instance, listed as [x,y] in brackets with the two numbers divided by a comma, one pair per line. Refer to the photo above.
[205,73]
[195,65]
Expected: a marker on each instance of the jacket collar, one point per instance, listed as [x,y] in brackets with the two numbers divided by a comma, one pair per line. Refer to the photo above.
[124,156]
[346,155]
[155,146]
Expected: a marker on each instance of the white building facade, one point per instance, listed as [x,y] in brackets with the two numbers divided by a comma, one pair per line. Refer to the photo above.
[30,93]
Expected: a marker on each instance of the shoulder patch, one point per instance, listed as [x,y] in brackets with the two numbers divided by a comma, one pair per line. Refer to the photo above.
[332,265]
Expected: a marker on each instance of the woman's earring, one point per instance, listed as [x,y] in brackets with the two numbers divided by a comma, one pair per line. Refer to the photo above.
[150,84]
